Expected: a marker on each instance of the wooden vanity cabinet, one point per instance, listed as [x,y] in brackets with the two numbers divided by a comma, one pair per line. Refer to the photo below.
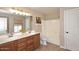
[21,44]
[30,45]
[9,46]
[24,44]
[36,41]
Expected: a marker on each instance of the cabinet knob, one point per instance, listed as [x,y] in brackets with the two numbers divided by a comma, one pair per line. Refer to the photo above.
[67,32]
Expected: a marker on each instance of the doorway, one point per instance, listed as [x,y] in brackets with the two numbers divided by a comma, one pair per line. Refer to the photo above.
[71,29]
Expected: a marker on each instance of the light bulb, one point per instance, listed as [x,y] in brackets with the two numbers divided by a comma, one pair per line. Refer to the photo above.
[18,12]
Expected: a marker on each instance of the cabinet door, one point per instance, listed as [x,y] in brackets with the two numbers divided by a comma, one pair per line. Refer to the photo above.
[13,45]
[30,45]
[9,46]
[29,41]
[21,44]
[30,48]
[36,41]
[5,47]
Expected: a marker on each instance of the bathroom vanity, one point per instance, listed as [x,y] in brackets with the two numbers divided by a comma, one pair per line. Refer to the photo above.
[23,42]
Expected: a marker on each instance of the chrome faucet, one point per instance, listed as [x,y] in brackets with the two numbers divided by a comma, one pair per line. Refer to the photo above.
[10,34]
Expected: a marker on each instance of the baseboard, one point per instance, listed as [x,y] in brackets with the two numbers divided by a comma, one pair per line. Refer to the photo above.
[57,45]
[53,43]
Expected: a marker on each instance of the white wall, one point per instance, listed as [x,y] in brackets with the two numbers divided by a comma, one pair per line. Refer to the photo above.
[50,29]
[35,26]
[27,21]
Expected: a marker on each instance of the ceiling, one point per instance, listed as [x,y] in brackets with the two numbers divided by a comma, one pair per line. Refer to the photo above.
[42,10]
[46,10]
[55,11]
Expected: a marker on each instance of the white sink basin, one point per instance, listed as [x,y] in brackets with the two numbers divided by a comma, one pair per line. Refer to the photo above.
[27,33]
[16,34]
[3,37]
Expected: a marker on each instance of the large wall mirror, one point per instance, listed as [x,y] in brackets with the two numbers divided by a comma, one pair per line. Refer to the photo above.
[3,25]
[10,23]
[22,22]
[19,22]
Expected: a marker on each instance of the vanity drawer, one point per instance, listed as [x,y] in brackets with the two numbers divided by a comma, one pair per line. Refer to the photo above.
[21,40]
[21,45]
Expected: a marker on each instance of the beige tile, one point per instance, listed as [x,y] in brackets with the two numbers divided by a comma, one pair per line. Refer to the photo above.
[50,47]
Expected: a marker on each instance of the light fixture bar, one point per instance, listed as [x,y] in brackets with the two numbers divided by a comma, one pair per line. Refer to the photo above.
[19,12]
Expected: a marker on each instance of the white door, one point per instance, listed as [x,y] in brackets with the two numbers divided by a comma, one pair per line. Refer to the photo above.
[71,29]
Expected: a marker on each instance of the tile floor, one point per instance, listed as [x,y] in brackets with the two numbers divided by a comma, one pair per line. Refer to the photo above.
[50,47]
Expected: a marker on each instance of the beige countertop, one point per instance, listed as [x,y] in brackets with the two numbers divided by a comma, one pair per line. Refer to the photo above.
[6,38]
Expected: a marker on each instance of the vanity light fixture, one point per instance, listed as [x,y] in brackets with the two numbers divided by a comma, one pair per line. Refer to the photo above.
[19,12]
